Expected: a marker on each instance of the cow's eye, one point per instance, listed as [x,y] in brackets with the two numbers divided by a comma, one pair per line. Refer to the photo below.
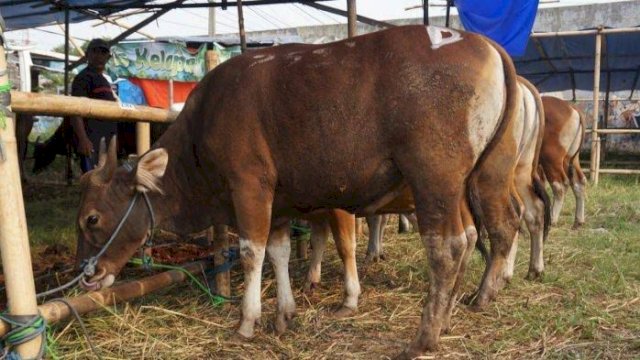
[92,220]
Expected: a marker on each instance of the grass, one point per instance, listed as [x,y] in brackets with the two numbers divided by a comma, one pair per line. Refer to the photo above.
[587,306]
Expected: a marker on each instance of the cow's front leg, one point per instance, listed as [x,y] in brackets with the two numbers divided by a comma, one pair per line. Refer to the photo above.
[253,216]
[279,250]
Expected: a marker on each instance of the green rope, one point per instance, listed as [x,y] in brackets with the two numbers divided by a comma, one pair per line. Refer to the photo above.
[215,299]
[4,88]
[22,332]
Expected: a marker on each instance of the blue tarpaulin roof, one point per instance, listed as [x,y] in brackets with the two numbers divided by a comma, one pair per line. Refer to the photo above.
[508,22]
[24,14]
[563,63]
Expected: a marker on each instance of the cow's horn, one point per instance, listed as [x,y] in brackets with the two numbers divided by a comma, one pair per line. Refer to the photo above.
[110,160]
[102,154]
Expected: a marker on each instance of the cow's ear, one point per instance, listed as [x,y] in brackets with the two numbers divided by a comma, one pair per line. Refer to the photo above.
[150,169]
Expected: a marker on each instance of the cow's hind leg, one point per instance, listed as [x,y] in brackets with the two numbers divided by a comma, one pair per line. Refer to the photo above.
[555,174]
[445,242]
[319,236]
[534,216]
[578,184]
[344,235]
[493,195]
[279,250]
[376,225]
[472,236]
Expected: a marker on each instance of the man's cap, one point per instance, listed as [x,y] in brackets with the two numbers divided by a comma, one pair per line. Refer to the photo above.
[98,44]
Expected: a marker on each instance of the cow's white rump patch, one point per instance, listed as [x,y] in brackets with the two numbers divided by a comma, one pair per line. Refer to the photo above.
[437,40]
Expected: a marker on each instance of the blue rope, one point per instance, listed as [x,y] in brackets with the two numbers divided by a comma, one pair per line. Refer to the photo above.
[231,256]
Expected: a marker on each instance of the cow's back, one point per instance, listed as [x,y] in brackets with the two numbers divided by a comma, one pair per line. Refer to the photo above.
[356,105]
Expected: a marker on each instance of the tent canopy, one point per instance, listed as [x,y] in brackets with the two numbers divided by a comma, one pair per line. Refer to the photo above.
[566,63]
[24,14]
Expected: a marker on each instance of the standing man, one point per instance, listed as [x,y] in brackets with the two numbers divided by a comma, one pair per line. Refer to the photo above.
[92,82]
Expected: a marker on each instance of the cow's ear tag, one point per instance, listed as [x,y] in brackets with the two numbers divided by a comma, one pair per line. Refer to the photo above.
[150,169]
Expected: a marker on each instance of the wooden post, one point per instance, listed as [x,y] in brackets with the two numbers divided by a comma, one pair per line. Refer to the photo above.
[143,137]
[595,139]
[14,239]
[211,58]
[243,37]
[220,236]
[352,18]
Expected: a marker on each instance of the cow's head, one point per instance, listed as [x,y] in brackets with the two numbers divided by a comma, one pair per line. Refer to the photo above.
[107,193]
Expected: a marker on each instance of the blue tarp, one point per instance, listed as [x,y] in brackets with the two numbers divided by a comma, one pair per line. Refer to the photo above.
[508,22]
[567,63]
[33,13]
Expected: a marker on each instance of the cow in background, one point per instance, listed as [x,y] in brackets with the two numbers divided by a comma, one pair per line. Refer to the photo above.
[559,156]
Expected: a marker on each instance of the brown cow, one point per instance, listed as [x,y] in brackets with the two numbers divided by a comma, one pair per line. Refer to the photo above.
[274,133]
[559,156]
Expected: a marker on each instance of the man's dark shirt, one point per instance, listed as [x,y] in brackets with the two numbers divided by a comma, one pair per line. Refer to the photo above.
[92,84]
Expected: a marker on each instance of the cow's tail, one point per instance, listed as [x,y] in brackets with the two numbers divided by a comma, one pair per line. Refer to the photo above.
[538,184]
[508,116]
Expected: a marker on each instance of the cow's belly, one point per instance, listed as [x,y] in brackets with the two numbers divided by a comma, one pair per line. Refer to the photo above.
[341,183]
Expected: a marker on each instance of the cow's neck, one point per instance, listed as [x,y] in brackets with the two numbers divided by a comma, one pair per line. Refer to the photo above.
[185,205]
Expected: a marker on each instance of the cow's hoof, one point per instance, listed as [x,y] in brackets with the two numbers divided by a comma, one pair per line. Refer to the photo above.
[284,320]
[246,329]
[411,353]
[344,312]
[374,258]
[534,275]
[310,286]
[577,225]
[468,299]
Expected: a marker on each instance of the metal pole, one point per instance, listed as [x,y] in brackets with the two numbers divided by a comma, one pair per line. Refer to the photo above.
[449,3]
[14,239]
[425,12]
[243,37]
[352,18]
[212,20]
[69,149]
[595,139]
[66,51]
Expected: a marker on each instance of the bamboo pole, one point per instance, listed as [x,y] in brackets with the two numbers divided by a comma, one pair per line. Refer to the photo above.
[59,105]
[595,140]
[352,18]
[615,131]
[56,311]
[586,32]
[14,238]
[619,171]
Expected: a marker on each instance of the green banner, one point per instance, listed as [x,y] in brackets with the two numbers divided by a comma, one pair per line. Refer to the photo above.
[158,61]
